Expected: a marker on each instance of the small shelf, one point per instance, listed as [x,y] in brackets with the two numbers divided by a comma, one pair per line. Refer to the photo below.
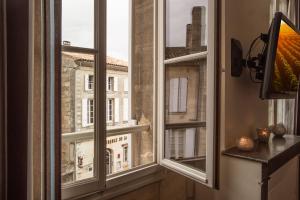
[273,154]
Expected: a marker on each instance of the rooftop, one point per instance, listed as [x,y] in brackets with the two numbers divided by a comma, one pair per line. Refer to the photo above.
[89,57]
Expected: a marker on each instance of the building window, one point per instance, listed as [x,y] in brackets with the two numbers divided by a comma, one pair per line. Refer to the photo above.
[109,161]
[125,153]
[90,111]
[110,83]
[110,110]
[178,94]
[89,82]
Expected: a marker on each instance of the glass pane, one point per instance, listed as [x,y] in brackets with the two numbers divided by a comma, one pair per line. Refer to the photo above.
[77,106]
[186,30]
[78,23]
[185,113]
[129,89]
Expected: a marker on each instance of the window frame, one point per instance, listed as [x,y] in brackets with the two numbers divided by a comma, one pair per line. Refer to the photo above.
[138,176]
[90,111]
[91,83]
[110,83]
[141,175]
[206,178]
[96,183]
[110,110]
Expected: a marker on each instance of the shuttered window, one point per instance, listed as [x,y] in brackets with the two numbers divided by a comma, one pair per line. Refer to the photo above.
[178,94]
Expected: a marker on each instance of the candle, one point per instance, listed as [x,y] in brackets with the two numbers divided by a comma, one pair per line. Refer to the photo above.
[245,144]
[263,135]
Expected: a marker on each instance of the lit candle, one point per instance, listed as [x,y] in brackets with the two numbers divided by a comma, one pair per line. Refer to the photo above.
[263,135]
[245,144]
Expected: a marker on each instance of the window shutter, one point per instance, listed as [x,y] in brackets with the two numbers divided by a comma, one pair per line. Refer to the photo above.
[173,98]
[107,109]
[84,113]
[86,82]
[178,143]
[106,83]
[117,113]
[126,84]
[182,94]
[116,84]
[125,109]
[189,150]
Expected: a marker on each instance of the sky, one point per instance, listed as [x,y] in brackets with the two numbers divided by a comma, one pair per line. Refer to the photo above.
[78,21]
[178,15]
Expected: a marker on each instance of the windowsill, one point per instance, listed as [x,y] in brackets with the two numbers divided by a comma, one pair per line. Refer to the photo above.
[128,182]
[194,174]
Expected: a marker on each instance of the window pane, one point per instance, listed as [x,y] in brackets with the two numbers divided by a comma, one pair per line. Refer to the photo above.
[78,23]
[185,113]
[77,106]
[129,86]
[186,30]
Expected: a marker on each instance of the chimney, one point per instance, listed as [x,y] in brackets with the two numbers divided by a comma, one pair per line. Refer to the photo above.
[189,36]
[66,43]
[198,27]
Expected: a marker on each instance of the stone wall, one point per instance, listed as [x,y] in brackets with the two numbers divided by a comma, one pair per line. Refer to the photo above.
[67,94]
[142,79]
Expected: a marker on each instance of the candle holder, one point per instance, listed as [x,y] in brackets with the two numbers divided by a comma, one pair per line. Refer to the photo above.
[245,144]
[263,134]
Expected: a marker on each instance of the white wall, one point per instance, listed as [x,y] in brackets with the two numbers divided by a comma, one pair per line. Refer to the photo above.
[241,109]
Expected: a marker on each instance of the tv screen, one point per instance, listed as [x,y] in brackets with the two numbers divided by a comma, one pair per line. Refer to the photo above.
[282,68]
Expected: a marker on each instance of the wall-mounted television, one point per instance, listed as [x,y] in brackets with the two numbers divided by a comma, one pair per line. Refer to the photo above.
[282,65]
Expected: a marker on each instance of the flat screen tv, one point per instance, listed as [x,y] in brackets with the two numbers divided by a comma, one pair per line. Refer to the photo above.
[282,65]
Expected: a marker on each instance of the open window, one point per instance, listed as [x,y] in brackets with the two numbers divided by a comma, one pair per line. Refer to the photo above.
[187,81]
[128,101]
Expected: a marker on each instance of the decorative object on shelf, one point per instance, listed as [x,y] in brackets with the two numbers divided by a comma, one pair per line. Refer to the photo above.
[245,144]
[278,130]
[263,134]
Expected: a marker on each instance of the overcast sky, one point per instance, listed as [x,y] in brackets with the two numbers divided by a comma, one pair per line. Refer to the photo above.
[178,15]
[78,21]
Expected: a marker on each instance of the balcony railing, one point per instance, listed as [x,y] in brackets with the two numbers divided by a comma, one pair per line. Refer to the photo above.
[83,135]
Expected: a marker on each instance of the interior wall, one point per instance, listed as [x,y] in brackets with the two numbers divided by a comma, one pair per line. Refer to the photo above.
[244,111]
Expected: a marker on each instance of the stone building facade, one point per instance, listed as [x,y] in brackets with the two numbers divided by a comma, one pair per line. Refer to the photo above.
[77,103]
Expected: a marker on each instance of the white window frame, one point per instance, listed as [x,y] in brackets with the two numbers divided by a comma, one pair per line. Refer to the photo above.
[207,177]
[110,83]
[90,82]
[96,183]
[112,109]
[90,111]
[138,176]
[144,174]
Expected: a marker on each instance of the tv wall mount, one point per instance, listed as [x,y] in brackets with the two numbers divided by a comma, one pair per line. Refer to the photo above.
[255,64]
